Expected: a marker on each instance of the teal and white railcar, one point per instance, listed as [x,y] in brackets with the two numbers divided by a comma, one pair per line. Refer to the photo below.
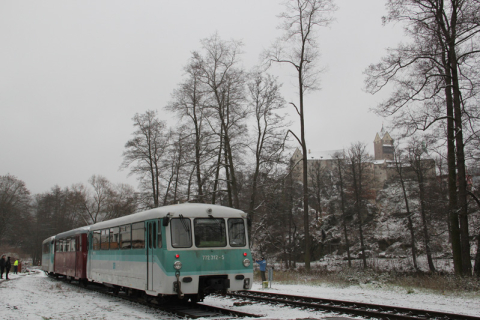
[48,255]
[185,250]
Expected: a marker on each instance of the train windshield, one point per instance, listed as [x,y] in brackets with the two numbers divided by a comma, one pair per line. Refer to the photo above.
[181,233]
[236,233]
[210,232]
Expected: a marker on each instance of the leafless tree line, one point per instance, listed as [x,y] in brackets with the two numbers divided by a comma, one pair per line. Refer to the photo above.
[214,147]
[436,83]
[227,146]
[27,220]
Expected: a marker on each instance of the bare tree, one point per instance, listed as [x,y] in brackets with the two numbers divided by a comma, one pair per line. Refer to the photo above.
[190,104]
[358,159]
[318,177]
[144,153]
[122,201]
[417,162]
[104,201]
[299,49]
[340,162]
[226,90]
[96,200]
[14,202]
[176,169]
[265,101]
[433,83]
[399,165]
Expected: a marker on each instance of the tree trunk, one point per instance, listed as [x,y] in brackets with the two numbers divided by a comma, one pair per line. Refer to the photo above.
[460,241]
[476,270]
[306,217]
[357,191]
[197,154]
[344,215]
[409,216]
[217,172]
[234,186]
[227,177]
[461,171]
[452,178]
[426,234]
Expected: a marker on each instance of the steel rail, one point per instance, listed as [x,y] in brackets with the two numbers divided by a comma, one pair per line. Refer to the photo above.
[349,307]
[184,309]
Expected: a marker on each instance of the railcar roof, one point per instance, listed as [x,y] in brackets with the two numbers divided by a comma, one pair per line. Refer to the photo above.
[188,210]
[49,239]
[73,232]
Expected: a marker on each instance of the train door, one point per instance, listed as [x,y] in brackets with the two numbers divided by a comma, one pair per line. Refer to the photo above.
[151,237]
[51,267]
[78,256]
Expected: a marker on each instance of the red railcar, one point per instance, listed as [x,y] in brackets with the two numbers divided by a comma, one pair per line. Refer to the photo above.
[71,254]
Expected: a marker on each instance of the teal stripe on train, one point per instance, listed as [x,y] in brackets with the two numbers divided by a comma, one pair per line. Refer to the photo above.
[194,262]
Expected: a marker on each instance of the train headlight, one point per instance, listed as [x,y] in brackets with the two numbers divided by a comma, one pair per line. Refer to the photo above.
[246,262]
[177,265]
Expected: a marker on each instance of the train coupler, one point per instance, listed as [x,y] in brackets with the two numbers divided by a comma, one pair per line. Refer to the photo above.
[177,286]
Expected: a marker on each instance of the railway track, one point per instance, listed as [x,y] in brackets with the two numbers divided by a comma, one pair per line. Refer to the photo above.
[347,307]
[182,310]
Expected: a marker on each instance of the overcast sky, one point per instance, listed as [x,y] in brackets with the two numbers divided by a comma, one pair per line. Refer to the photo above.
[74,73]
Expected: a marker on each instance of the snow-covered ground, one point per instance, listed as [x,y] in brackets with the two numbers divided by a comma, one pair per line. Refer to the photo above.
[35,296]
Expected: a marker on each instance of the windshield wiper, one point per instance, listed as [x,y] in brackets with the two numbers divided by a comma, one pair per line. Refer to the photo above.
[185,225]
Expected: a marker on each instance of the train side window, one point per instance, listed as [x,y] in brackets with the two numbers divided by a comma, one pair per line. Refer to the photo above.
[104,239]
[126,237]
[57,246]
[159,234]
[73,246]
[154,234]
[181,230]
[62,245]
[138,235]
[114,238]
[236,232]
[150,236]
[96,240]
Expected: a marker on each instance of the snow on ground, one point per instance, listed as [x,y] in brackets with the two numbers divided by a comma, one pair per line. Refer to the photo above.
[35,296]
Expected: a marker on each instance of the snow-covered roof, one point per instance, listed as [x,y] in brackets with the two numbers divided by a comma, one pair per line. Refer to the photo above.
[323,155]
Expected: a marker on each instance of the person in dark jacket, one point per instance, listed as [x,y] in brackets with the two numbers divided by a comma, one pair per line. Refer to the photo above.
[2,266]
[263,266]
[8,265]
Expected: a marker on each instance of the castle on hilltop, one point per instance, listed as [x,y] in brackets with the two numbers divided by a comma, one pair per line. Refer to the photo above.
[381,167]
[383,146]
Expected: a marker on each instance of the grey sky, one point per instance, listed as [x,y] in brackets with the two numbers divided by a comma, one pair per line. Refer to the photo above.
[73,74]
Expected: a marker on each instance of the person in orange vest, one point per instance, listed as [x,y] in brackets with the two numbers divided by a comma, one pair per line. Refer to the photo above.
[15,266]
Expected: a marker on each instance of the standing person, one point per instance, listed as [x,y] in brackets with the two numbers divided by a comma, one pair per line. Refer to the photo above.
[2,266]
[263,266]
[15,266]
[8,265]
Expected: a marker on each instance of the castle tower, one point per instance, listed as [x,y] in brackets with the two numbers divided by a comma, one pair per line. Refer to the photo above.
[383,146]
